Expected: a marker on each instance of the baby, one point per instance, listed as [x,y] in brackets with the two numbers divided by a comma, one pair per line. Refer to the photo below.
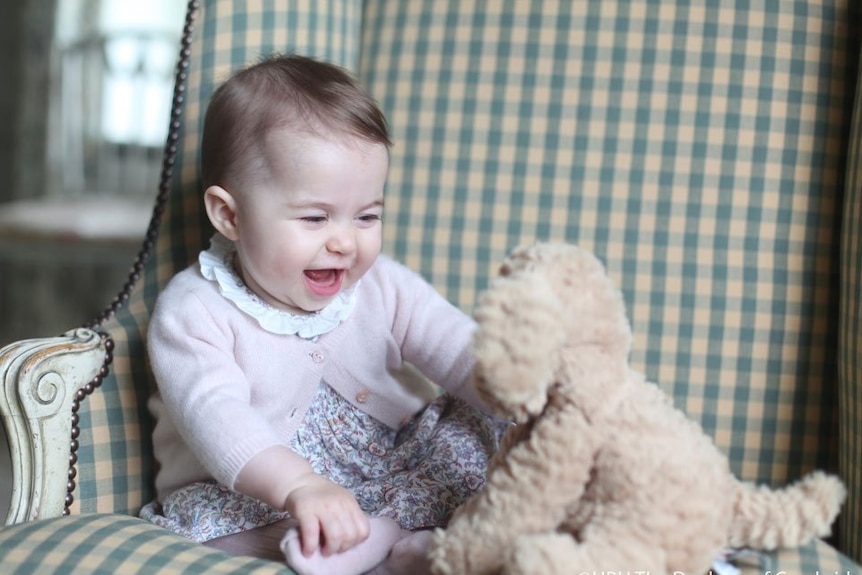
[285,426]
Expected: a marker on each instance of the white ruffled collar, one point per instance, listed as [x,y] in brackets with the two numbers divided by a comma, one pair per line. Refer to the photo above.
[217,265]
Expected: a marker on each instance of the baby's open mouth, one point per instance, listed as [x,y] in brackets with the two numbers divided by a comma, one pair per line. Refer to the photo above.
[325,282]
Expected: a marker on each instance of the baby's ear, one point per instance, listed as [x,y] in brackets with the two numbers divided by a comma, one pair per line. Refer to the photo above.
[521,330]
[221,210]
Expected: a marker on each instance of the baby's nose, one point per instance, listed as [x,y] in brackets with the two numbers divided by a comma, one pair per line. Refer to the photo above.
[342,240]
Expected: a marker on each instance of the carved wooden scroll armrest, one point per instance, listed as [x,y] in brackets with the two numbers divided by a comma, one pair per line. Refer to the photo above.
[43,381]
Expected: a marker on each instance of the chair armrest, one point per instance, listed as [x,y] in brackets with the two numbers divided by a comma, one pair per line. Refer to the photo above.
[41,381]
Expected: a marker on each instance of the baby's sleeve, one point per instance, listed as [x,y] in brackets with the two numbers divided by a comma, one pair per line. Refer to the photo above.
[205,392]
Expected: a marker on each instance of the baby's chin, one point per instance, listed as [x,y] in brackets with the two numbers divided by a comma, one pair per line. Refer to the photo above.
[307,309]
[311,306]
[296,308]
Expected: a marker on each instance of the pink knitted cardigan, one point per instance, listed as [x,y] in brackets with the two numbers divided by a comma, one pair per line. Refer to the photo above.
[228,389]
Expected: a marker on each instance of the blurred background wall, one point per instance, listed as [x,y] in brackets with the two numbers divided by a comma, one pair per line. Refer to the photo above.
[25,38]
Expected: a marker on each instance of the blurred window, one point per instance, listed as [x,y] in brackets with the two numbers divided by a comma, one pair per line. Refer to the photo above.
[113,80]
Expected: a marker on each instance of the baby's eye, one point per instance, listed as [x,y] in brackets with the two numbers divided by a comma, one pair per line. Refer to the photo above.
[367,220]
[314,219]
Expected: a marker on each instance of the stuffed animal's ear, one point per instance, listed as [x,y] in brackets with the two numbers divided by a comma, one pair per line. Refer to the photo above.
[594,306]
[521,330]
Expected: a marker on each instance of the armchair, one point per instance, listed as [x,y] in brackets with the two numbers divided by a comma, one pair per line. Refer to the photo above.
[709,153]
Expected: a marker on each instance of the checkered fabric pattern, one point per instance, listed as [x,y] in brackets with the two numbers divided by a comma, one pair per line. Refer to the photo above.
[850,366]
[697,148]
[96,544]
[100,544]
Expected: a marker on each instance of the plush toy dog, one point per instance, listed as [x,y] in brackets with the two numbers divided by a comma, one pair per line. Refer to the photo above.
[601,472]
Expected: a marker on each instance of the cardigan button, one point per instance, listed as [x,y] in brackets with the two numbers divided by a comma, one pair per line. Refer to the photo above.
[362,396]
[317,356]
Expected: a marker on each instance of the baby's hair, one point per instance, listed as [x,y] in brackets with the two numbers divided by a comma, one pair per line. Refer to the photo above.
[281,91]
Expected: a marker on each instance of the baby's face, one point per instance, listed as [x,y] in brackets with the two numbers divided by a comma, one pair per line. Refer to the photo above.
[313,227]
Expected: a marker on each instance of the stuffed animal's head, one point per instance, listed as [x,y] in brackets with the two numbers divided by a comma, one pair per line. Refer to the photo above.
[550,302]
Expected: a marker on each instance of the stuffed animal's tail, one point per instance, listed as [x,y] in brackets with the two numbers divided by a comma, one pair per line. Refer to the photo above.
[768,519]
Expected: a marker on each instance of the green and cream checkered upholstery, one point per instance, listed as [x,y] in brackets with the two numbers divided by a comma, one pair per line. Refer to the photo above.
[699,148]
[698,151]
[850,330]
[110,544]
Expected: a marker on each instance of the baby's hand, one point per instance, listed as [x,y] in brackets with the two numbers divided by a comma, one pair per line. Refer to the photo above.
[329,517]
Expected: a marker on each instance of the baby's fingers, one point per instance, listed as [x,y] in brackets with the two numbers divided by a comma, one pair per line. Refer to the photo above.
[309,532]
[342,532]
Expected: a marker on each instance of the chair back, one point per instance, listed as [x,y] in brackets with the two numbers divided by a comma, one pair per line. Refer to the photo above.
[697,148]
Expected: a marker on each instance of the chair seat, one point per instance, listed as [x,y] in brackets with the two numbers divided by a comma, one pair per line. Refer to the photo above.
[108,544]
[96,544]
